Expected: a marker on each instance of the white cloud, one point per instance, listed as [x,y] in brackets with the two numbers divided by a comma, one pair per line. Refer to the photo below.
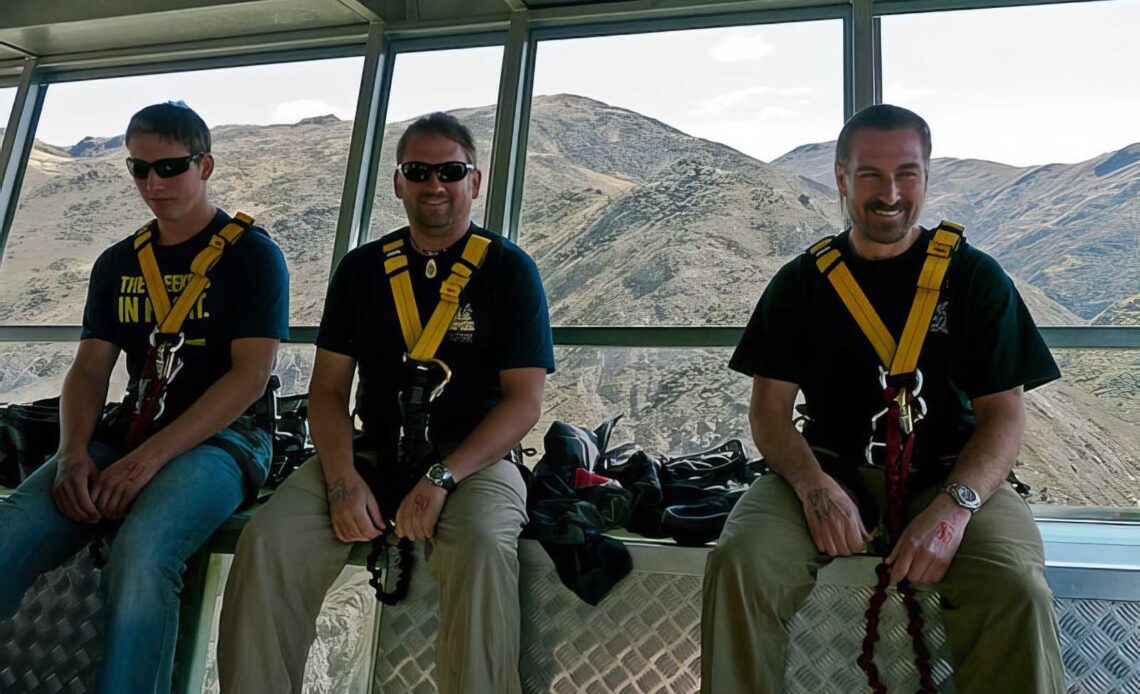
[900,93]
[794,91]
[740,47]
[725,102]
[293,111]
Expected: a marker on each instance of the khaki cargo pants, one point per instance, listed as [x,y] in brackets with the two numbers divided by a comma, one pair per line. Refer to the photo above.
[287,558]
[998,611]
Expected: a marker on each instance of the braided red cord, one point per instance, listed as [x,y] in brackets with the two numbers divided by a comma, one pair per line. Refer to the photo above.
[897,466]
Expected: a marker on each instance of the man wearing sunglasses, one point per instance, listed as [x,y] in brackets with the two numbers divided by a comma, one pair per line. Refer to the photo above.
[470,505]
[165,471]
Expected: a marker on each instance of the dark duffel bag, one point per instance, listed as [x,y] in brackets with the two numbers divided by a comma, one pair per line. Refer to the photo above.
[32,431]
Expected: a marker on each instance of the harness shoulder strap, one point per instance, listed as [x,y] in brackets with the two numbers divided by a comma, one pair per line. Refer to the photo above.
[829,261]
[901,358]
[170,318]
[424,341]
[947,237]
[396,267]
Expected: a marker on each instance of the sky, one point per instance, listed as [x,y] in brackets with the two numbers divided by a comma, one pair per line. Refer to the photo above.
[1023,85]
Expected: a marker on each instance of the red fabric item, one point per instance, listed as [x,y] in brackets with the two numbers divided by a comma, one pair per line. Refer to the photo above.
[583,479]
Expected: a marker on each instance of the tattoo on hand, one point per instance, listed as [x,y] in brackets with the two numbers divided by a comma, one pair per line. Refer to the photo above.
[945,532]
[821,503]
[338,492]
[421,502]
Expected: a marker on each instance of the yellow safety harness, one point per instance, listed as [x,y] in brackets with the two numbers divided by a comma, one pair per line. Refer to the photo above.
[169,318]
[426,377]
[423,342]
[162,362]
[901,382]
[902,358]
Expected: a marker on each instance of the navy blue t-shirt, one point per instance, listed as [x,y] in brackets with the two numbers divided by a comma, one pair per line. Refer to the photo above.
[981,341]
[502,323]
[248,296]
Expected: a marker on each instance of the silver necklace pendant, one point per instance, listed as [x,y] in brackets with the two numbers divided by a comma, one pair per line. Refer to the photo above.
[429,269]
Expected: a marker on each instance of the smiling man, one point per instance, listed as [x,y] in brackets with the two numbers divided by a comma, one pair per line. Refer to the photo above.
[485,341]
[912,350]
[198,301]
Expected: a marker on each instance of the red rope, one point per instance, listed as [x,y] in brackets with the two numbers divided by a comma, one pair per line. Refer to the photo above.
[900,446]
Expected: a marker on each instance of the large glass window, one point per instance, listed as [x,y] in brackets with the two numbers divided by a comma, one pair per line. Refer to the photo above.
[1036,144]
[460,81]
[7,98]
[673,400]
[1082,435]
[660,184]
[281,135]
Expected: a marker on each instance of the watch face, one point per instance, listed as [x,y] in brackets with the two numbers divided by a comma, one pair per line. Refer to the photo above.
[966,497]
[435,474]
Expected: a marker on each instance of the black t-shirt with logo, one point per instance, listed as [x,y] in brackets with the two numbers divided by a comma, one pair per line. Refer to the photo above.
[248,296]
[981,341]
[502,323]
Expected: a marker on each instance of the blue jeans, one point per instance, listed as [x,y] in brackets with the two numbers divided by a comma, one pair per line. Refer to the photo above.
[171,517]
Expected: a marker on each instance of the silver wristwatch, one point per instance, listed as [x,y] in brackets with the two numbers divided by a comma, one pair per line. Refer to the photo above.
[964,496]
[440,476]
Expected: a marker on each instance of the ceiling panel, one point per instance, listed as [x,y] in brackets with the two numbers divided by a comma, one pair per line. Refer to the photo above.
[180,25]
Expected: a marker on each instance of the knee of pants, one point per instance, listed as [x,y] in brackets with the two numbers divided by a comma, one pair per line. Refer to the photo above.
[262,540]
[1006,586]
[141,566]
[748,558]
[479,544]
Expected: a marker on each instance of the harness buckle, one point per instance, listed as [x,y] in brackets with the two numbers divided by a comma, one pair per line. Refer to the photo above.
[939,248]
[424,381]
[911,410]
[167,364]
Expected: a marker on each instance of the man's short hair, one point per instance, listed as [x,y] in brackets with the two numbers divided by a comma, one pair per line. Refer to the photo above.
[174,121]
[441,124]
[881,117]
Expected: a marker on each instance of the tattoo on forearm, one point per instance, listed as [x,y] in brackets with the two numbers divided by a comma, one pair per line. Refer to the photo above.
[339,491]
[821,503]
[945,532]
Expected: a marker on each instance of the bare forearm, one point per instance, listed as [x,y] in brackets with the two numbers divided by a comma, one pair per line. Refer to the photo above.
[786,451]
[986,459]
[330,425]
[219,406]
[502,428]
[80,408]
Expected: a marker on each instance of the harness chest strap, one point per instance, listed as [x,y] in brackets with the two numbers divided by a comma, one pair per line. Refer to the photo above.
[424,341]
[170,318]
[900,358]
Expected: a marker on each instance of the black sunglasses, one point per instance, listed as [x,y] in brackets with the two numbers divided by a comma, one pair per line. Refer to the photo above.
[448,171]
[165,168]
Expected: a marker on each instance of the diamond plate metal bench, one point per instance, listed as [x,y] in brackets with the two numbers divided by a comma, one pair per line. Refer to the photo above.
[643,637]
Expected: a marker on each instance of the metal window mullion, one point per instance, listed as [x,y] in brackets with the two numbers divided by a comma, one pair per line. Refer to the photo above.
[508,120]
[878,79]
[364,149]
[518,153]
[18,140]
[862,54]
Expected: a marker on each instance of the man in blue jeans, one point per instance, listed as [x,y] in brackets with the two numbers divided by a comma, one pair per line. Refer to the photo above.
[198,302]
